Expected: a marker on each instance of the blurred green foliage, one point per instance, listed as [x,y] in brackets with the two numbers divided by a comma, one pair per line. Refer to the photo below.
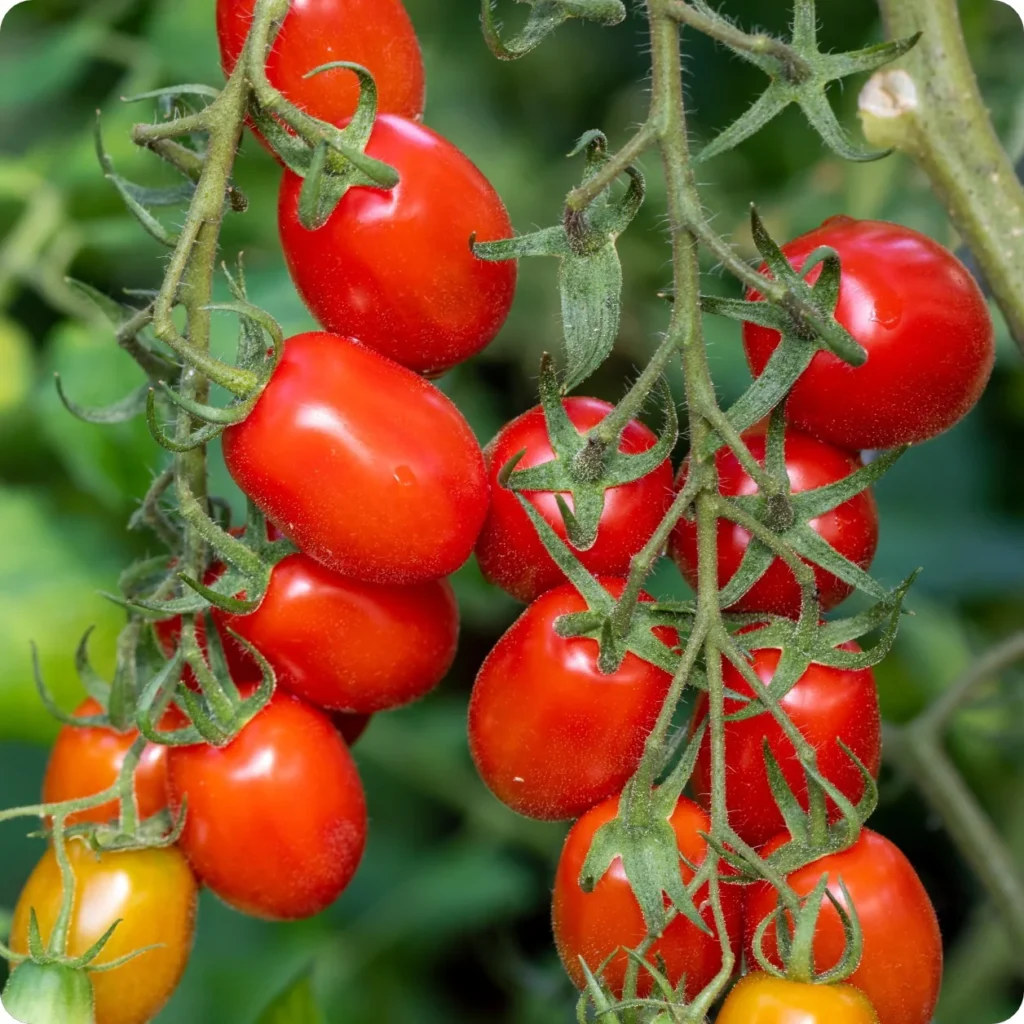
[447,920]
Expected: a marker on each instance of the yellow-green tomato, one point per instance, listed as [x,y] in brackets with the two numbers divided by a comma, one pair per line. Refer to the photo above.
[152,892]
[37,993]
[761,999]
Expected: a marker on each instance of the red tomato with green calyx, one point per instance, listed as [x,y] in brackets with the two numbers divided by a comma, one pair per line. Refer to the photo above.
[761,999]
[394,268]
[367,467]
[511,554]
[921,317]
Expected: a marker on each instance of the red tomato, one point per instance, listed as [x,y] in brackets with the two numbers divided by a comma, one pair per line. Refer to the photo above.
[85,761]
[276,820]
[594,925]
[761,999]
[350,727]
[923,321]
[901,969]
[852,528]
[351,646]
[826,705]
[368,468]
[552,735]
[374,33]
[394,269]
[511,554]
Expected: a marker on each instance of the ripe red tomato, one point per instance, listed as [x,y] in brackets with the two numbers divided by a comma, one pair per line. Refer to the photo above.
[367,467]
[852,528]
[826,705]
[761,999]
[85,761]
[594,925]
[375,33]
[394,269]
[276,820]
[511,554]
[923,321]
[151,893]
[552,735]
[901,969]
[351,646]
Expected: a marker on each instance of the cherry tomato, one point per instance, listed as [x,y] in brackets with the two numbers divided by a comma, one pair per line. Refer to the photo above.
[923,321]
[511,554]
[85,761]
[761,999]
[276,820]
[594,925]
[901,968]
[375,33]
[394,269]
[552,735]
[153,894]
[826,705]
[350,727]
[368,468]
[351,646]
[852,528]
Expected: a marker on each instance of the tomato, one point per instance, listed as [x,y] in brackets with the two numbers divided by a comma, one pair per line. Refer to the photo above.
[394,269]
[594,925]
[367,467]
[85,761]
[49,992]
[375,33]
[826,705]
[852,528]
[350,727]
[276,820]
[901,968]
[552,735]
[347,645]
[923,321]
[761,999]
[511,554]
[151,892]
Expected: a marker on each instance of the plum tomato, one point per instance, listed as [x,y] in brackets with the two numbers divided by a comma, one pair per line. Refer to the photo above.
[761,999]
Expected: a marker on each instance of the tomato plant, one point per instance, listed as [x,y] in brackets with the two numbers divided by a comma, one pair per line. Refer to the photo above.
[511,554]
[338,420]
[762,999]
[921,318]
[276,819]
[394,269]
[152,893]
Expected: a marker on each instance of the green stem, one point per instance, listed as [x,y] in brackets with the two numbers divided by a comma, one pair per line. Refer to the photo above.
[583,195]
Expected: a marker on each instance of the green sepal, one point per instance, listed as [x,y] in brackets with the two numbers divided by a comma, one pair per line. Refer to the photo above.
[597,994]
[200,436]
[173,92]
[49,992]
[117,412]
[545,17]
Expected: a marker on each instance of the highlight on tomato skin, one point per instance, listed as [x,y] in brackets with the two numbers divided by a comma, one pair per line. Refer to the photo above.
[760,998]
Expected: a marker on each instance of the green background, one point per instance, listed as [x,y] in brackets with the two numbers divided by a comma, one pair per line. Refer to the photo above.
[448,917]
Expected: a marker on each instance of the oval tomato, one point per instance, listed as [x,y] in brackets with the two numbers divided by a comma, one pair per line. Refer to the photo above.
[351,646]
[367,467]
[594,925]
[826,705]
[761,999]
[375,33]
[852,528]
[276,820]
[924,323]
[511,554]
[151,892]
[394,269]
[550,733]
[901,967]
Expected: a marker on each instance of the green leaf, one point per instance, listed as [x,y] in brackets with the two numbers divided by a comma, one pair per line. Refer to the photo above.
[297,1004]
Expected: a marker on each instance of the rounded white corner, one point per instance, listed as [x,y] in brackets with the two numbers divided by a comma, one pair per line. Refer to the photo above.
[1014,5]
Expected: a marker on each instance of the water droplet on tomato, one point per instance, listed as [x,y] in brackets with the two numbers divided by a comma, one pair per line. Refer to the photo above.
[405,476]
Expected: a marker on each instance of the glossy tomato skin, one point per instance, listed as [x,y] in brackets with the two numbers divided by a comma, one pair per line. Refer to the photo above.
[509,551]
[153,894]
[394,269]
[85,761]
[351,646]
[375,33]
[901,968]
[593,925]
[761,999]
[826,705]
[276,820]
[367,467]
[852,528]
[924,323]
[550,734]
